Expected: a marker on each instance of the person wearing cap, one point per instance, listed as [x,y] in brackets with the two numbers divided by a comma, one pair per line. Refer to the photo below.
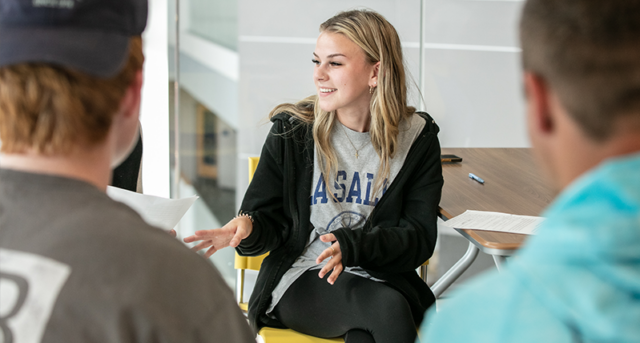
[578,279]
[76,266]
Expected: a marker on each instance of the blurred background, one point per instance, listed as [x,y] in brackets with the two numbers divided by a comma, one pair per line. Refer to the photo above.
[215,69]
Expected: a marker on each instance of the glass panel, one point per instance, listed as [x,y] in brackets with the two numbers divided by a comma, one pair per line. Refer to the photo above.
[207,152]
[203,140]
[215,20]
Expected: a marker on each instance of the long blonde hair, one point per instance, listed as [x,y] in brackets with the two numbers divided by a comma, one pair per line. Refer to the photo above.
[380,43]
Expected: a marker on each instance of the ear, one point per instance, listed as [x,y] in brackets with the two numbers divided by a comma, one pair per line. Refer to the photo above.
[538,95]
[125,126]
[373,82]
[130,103]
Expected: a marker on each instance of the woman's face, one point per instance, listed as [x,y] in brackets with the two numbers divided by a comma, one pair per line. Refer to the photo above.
[342,74]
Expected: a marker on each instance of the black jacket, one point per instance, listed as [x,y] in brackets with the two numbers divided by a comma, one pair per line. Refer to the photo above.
[399,235]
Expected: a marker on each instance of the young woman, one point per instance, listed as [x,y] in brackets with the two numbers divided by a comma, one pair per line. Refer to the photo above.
[345,196]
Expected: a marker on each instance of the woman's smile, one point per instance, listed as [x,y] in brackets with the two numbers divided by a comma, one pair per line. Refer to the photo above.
[327,91]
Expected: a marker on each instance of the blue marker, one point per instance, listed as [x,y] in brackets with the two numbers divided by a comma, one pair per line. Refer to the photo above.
[474,177]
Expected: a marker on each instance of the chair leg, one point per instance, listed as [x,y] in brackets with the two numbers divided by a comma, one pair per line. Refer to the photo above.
[499,261]
[423,273]
[240,289]
[454,273]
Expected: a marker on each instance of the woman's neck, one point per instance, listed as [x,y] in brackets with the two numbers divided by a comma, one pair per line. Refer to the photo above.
[359,121]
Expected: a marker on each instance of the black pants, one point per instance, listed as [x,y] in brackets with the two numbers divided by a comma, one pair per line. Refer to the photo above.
[362,310]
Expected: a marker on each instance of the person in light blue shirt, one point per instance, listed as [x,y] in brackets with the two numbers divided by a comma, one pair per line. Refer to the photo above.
[578,280]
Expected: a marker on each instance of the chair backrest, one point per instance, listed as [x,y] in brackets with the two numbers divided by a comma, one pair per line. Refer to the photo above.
[253,164]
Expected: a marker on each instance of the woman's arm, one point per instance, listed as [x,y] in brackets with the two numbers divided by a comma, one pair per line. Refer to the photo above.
[405,245]
[263,200]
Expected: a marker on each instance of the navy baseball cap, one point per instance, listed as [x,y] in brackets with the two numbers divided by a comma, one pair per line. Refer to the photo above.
[91,36]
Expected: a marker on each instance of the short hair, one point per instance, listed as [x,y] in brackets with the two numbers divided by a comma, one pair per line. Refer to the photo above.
[588,51]
[49,109]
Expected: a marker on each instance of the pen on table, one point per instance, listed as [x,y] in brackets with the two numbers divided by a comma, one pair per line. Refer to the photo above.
[475,177]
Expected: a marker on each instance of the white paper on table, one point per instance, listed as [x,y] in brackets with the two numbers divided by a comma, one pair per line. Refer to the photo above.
[496,221]
[156,211]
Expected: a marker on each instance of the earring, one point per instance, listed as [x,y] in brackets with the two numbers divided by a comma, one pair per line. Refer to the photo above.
[370,90]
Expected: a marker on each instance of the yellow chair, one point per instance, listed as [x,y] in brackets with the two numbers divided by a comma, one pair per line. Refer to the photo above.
[273,335]
[243,263]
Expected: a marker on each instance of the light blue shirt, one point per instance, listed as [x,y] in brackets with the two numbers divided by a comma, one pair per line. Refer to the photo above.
[578,280]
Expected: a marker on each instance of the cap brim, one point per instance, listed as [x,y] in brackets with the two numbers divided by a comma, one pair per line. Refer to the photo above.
[94,52]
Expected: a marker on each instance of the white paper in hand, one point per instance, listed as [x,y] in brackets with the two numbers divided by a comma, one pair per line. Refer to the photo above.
[161,212]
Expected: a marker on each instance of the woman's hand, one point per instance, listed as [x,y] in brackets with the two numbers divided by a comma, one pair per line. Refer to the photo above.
[335,262]
[229,235]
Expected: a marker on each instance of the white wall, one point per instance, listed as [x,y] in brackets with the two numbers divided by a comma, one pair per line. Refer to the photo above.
[472,72]
[154,111]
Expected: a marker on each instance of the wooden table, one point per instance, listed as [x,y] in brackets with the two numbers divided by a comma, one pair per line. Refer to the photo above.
[513,184]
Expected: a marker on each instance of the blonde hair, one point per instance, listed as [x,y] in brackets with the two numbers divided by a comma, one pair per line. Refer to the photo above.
[380,43]
[51,109]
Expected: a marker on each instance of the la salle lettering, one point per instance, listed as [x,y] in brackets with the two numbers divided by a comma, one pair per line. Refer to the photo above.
[355,193]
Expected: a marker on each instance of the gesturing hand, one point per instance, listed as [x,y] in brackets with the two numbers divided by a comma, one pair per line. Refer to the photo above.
[335,262]
[229,235]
